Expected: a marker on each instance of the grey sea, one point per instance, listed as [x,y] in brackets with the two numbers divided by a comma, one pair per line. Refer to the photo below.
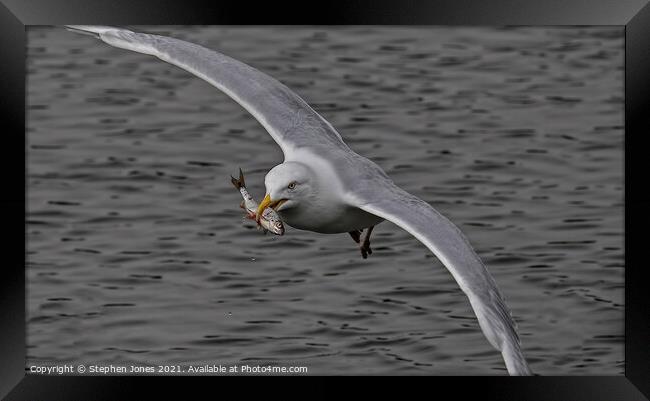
[137,252]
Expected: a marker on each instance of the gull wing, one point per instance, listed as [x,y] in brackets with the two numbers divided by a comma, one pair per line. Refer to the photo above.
[290,120]
[448,243]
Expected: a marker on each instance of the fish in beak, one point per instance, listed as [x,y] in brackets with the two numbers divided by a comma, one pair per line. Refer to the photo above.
[269,220]
[267,202]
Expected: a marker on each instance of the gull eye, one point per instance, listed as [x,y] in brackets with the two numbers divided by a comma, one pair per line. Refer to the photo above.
[292,185]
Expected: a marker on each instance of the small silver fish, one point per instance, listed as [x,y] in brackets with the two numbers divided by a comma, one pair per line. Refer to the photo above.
[269,221]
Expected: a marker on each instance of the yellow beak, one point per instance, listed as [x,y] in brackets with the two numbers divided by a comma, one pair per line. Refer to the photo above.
[265,203]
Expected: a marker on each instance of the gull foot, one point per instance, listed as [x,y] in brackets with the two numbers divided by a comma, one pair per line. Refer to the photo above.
[365,250]
[365,244]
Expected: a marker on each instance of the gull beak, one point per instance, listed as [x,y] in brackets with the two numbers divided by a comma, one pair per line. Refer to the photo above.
[267,202]
[260,209]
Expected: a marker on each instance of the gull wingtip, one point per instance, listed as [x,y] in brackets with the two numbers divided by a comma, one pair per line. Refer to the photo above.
[92,30]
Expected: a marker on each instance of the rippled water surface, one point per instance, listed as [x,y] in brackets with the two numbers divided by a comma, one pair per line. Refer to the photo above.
[138,253]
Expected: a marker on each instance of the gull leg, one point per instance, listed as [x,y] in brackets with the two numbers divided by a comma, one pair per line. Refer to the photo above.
[356,235]
[365,244]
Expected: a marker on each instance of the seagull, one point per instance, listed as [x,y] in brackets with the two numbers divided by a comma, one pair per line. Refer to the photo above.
[324,186]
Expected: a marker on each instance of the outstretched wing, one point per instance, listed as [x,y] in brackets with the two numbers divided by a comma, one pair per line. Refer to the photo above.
[449,244]
[290,120]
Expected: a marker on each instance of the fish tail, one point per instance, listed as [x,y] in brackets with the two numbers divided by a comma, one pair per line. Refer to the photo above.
[241,178]
[238,183]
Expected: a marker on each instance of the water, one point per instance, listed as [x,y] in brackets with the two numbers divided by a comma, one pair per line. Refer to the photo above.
[138,253]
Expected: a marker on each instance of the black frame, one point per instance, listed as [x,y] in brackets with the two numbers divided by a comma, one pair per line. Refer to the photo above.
[633,14]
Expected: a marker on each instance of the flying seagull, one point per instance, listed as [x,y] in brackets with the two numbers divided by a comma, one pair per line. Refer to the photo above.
[324,186]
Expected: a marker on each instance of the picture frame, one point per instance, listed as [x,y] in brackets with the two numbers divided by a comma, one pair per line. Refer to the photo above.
[15,15]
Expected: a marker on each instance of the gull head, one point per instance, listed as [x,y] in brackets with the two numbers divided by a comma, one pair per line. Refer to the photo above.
[289,185]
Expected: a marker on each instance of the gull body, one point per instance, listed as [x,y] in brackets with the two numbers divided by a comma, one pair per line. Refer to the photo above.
[324,186]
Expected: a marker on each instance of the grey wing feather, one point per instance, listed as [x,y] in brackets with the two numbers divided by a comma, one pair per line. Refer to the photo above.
[448,243]
[289,119]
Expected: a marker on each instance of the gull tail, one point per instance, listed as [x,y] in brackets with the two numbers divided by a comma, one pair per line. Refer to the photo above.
[238,183]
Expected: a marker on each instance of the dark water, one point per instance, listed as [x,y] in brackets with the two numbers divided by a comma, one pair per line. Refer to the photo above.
[138,253]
